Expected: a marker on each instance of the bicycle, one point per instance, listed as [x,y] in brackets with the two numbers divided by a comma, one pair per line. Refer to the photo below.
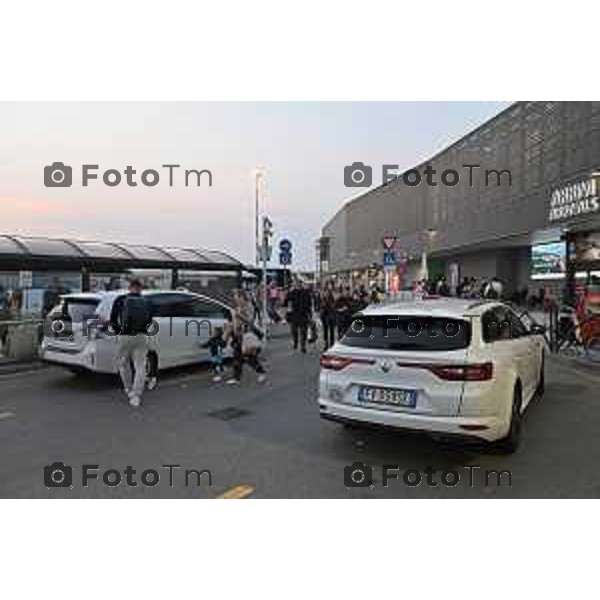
[580,330]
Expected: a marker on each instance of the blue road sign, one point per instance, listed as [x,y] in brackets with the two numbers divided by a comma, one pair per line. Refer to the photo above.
[285,245]
[285,258]
[389,258]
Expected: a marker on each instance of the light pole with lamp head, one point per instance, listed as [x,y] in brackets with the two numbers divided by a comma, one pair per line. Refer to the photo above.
[259,174]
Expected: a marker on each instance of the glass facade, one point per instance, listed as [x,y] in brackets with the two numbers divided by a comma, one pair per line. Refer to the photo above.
[543,145]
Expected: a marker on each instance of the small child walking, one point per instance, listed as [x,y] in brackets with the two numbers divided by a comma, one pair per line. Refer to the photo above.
[216,344]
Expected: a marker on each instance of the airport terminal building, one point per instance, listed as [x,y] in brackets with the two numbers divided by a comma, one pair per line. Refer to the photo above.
[534,220]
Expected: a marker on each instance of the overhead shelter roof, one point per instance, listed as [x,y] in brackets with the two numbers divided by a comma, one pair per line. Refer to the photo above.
[22,252]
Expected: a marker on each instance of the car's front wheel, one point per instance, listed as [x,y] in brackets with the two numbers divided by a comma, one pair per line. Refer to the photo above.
[541,386]
[510,443]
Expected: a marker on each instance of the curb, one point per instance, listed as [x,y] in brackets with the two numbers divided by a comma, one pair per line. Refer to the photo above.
[12,368]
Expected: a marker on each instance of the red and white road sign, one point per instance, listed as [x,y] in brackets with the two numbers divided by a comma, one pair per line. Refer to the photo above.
[388,241]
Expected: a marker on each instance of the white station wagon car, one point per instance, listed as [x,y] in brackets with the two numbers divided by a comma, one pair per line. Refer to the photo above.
[439,365]
[77,334]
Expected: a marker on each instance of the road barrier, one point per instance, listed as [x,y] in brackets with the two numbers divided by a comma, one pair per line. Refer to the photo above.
[20,339]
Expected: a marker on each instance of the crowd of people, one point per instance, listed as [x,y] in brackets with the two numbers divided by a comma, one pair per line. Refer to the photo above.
[302,306]
[468,287]
[492,289]
[333,305]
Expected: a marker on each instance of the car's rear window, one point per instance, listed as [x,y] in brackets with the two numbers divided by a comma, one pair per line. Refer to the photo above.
[79,309]
[415,333]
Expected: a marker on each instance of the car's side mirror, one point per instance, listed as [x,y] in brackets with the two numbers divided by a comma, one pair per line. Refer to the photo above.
[537,329]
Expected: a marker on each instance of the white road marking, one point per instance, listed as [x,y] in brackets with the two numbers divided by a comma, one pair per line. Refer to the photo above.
[6,414]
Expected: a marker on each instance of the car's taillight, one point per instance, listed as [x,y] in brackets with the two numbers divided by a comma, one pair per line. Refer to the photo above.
[337,363]
[472,372]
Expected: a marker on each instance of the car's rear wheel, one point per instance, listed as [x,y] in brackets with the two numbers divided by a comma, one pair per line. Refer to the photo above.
[510,443]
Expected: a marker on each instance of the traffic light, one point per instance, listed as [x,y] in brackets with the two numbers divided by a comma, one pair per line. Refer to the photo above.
[267,228]
[267,235]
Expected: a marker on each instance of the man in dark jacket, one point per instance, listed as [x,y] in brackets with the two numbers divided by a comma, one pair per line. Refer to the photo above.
[132,348]
[299,304]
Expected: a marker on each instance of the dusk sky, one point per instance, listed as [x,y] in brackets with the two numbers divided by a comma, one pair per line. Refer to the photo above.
[303,146]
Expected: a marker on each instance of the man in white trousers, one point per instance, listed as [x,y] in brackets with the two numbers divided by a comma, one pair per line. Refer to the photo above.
[132,349]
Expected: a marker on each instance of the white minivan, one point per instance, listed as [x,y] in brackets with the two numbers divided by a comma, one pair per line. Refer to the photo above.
[78,333]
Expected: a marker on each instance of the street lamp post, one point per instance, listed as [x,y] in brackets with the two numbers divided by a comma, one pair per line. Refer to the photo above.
[267,234]
[258,175]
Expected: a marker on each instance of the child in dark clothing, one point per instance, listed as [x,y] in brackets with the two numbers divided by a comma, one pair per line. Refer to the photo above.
[216,344]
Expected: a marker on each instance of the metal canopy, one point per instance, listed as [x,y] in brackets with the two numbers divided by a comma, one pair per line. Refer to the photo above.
[46,253]
[48,247]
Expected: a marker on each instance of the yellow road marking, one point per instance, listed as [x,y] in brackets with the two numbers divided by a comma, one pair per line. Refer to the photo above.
[237,492]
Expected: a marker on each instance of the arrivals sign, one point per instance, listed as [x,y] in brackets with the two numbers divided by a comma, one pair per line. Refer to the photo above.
[574,199]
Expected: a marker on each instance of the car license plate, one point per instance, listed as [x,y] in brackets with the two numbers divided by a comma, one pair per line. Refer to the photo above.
[392,396]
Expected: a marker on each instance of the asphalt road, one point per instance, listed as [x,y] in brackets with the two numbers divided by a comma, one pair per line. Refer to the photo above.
[267,440]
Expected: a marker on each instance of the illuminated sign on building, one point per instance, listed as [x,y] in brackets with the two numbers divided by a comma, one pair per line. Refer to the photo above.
[574,199]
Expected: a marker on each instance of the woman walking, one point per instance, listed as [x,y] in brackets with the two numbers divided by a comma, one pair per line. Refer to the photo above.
[328,317]
[244,340]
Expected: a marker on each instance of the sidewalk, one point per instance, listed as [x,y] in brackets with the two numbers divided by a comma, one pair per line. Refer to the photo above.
[577,359]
